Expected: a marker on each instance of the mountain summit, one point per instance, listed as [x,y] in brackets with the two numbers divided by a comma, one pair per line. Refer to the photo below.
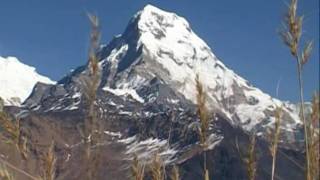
[159,46]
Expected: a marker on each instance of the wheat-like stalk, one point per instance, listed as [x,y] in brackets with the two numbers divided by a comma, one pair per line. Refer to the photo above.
[49,163]
[137,169]
[204,122]
[251,160]
[91,132]
[275,139]
[12,131]
[202,112]
[250,157]
[18,170]
[91,86]
[175,174]
[291,35]
[11,128]
[5,174]
[313,133]
[157,168]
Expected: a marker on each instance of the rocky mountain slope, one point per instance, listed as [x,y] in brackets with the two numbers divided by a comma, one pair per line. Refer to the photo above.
[146,105]
[17,80]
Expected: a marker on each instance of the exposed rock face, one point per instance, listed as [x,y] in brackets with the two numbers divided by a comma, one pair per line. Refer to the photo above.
[146,104]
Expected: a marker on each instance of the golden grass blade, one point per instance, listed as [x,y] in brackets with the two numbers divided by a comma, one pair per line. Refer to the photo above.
[137,169]
[7,164]
[157,168]
[204,121]
[50,163]
[250,157]
[275,139]
[306,52]
[291,35]
[175,175]
[313,133]
[5,174]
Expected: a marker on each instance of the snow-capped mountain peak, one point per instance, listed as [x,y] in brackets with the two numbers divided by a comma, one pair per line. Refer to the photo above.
[162,44]
[157,58]
[17,80]
[157,21]
[163,32]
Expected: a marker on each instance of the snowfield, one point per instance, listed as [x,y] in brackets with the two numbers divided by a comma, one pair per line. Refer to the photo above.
[17,80]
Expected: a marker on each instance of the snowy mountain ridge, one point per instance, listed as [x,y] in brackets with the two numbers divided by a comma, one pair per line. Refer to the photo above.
[168,49]
[17,80]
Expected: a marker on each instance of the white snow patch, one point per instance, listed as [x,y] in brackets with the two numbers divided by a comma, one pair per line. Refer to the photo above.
[113,134]
[125,113]
[250,115]
[125,92]
[146,149]
[76,95]
[128,140]
[112,103]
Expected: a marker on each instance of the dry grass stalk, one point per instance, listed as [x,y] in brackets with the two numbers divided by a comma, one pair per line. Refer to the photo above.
[250,157]
[175,175]
[313,133]
[292,31]
[204,121]
[91,86]
[5,174]
[16,169]
[275,139]
[49,163]
[202,112]
[137,169]
[11,128]
[251,160]
[291,35]
[157,168]
[12,132]
[91,131]
[206,175]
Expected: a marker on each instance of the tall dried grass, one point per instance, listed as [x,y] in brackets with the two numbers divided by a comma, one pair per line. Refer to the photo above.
[49,164]
[291,36]
[249,158]
[5,174]
[137,169]
[274,139]
[11,134]
[156,167]
[91,85]
[11,130]
[313,134]
[175,174]
[204,122]
[6,165]
[91,131]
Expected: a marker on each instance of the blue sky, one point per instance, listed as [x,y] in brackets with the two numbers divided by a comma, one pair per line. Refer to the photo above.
[52,35]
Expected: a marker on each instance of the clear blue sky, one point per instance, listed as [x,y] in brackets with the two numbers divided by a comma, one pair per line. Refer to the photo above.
[52,35]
